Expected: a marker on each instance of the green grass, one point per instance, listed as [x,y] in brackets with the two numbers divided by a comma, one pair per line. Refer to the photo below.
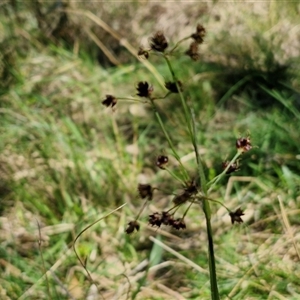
[65,161]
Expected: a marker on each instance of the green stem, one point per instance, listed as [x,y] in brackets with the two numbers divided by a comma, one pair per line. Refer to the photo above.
[183,170]
[211,260]
[174,175]
[191,128]
[214,181]
[186,211]
[131,99]
[177,44]
[198,158]
[182,99]
[191,124]
[207,213]
[219,202]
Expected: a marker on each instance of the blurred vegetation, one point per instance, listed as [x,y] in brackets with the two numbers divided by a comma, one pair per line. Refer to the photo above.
[65,160]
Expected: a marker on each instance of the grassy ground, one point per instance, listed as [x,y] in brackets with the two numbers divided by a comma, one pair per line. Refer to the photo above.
[66,161]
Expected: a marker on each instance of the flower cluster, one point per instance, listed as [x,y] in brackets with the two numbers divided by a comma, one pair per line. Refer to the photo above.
[142,52]
[198,38]
[144,89]
[234,167]
[189,191]
[145,191]
[162,161]
[243,144]
[199,34]
[157,219]
[109,101]
[193,51]
[159,42]
[236,216]
[132,225]
[172,86]
[192,190]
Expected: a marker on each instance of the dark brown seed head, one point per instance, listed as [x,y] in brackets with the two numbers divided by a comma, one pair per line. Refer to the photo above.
[155,219]
[144,89]
[182,198]
[145,191]
[199,35]
[192,52]
[158,42]
[172,87]
[243,144]
[132,225]
[109,101]
[162,161]
[233,167]
[167,218]
[236,216]
[191,188]
[179,224]
[143,52]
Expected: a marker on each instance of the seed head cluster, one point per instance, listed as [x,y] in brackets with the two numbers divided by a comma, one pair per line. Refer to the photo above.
[143,53]
[164,218]
[189,194]
[189,191]
[144,89]
[234,167]
[192,191]
[145,191]
[162,161]
[236,216]
[199,34]
[193,51]
[198,38]
[132,225]
[109,101]
[243,144]
[159,42]
[172,86]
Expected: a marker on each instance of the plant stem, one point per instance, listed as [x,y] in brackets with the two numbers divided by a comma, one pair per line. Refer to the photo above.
[183,170]
[191,125]
[216,201]
[174,175]
[214,181]
[211,260]
[179,42]
[183,102]
[207,213]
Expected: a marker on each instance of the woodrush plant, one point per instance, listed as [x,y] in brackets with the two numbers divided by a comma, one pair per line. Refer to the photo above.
[196,190]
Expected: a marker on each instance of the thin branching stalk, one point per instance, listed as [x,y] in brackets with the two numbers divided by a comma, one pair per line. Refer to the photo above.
[83,264]
[183,102]
[191,125]
[174,175]
[213,200]
[162,126]
[214,181]
[207,213]
[178,43]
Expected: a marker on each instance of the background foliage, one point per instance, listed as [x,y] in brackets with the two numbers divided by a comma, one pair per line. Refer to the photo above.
[65,160]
